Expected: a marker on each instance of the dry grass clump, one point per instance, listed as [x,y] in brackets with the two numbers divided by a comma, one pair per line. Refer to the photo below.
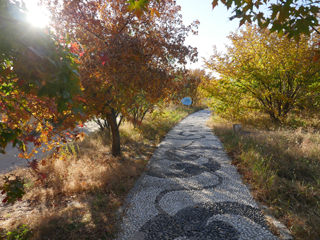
[84,189]
[80,195]
[283,168]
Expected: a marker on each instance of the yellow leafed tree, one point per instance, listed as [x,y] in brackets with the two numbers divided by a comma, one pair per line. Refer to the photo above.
[261,72]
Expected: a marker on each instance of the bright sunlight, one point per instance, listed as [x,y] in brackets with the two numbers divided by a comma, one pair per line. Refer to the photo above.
[37,16]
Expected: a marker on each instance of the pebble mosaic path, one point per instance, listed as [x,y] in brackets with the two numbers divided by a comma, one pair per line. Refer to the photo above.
[192,192]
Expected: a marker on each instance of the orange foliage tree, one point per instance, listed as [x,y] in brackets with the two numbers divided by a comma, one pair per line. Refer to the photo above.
[38,81]
[123,54]
[38,87]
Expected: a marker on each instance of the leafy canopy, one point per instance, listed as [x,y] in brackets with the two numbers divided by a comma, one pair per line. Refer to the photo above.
[261,72]
[38,79]
[39,84]
[123,54]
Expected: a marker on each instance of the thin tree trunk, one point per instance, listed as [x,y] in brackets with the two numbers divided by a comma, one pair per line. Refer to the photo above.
[112,120]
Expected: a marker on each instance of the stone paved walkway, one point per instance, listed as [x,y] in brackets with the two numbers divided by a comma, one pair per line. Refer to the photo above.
[191,191]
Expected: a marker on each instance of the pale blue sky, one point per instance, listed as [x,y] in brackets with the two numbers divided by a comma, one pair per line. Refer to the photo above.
[214,27]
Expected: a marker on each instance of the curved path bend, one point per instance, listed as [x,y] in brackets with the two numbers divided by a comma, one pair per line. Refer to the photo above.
[191,191]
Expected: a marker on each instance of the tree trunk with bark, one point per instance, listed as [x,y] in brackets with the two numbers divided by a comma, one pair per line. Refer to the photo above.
[112,120]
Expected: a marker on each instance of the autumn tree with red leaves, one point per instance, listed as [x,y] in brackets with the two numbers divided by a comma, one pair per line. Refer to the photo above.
[123,54]
[39,85]
[38,79]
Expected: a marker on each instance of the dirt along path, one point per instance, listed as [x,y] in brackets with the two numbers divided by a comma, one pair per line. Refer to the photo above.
[191,191]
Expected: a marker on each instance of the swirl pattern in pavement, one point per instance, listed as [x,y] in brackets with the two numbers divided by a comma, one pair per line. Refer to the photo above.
[191,191]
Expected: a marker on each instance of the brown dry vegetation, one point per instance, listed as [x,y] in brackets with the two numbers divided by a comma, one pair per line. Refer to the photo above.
[283,168]
[81,195]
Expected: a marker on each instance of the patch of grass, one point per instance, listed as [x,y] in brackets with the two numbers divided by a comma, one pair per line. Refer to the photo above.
[84,189]
[283,168]
[22,233]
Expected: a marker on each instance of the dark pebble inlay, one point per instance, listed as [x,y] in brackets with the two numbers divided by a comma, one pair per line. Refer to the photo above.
[192,222]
